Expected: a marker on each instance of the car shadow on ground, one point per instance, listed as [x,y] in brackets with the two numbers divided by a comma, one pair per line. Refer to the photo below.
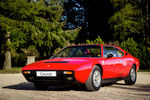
[135,87]
[30,86]
[21,86]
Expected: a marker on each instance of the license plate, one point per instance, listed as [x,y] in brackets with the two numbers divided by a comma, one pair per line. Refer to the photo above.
[46,73]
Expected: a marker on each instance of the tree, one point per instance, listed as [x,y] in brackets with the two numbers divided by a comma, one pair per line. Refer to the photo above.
[34,23]
[130,20]
[91,15]
[137,50]
[7,63]
[127,23]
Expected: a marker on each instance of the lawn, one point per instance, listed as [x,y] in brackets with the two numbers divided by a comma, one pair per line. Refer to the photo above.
[144,70]
[12,70]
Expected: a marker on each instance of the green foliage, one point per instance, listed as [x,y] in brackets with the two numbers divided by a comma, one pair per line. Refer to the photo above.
[130,46]
[98,40]
[137,50]
[30,51]
[34,24]
[126,22]
[116,43]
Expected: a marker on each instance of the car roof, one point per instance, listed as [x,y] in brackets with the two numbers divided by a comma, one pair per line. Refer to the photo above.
[92,45]
[97,45]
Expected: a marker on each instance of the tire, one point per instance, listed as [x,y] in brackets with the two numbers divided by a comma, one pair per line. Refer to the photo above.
[41,86]
[94,81]
[131,78]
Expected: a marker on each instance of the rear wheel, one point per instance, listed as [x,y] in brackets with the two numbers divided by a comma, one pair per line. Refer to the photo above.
[131,78]
[95,79]
[41,86]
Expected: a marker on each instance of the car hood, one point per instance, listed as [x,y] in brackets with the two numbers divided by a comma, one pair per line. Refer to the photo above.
[58,64]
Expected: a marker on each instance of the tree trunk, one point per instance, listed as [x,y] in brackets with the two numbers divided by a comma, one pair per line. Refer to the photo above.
[7,62]
[30,59]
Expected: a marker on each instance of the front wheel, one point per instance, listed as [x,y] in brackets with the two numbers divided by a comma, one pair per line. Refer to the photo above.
[95,79]
[131,78]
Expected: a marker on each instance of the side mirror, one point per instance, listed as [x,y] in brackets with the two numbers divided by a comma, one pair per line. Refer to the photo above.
[109,55]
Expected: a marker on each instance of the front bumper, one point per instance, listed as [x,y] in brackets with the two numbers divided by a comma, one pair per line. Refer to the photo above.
[60,79]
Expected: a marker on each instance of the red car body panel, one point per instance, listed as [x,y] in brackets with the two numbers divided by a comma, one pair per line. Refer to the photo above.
[115,67]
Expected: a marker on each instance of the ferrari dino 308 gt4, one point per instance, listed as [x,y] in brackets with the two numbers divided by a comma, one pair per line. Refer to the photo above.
[91,65]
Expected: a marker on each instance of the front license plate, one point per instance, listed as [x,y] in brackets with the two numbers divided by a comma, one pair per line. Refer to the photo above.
[46,73]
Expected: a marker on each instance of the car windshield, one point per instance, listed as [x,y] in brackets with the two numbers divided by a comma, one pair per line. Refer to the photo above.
[80,51]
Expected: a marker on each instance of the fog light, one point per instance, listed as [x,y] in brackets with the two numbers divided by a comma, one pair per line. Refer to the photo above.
[67,72]
[31,78]
[26,72]
[69,78]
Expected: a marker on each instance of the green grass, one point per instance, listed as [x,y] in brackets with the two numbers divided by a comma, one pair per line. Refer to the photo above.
[12,70]
[144,70]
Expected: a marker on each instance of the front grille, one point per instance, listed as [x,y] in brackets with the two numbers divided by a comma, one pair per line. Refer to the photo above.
[61,77]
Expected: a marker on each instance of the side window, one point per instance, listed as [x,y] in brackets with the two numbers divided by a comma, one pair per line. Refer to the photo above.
[95,51]
[78,53]
[109,50]
[119,53]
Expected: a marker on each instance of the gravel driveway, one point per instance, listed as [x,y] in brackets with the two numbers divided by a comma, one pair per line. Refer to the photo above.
[15,87]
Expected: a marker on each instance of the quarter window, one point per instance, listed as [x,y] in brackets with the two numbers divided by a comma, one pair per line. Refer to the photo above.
[119,53]
[109,50]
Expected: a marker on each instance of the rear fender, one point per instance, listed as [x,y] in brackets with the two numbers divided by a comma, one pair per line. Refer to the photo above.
[136,65]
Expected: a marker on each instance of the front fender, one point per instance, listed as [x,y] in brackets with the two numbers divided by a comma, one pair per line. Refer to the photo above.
[82,73]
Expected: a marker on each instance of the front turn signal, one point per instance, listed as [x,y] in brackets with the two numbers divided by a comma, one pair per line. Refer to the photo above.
[67,72]
[26,72]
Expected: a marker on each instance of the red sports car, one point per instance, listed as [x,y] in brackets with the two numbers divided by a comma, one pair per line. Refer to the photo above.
[90,65]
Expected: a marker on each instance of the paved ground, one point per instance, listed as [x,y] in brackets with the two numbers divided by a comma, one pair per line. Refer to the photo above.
[15,87]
